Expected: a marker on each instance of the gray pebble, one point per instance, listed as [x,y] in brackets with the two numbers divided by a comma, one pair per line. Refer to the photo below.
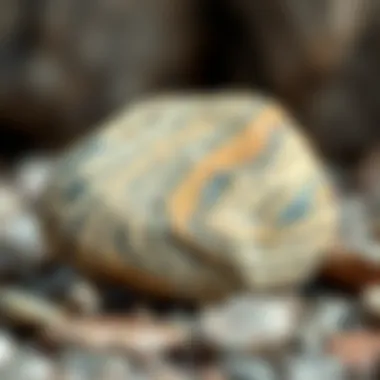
[87,365]
[249,369]
[21,239]
[328,315]
[21,307]
[356,228]
[335,314]
[83,297]
[314,368]
[28,365]
[22,235]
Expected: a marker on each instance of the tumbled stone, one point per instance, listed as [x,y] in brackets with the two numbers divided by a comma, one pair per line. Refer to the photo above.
[161,226]
[249,322]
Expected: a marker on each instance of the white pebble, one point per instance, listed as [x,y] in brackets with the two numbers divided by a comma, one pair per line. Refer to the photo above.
[35,367]
[251,321]
[23,235]
[32,176]
[314,368]
[7,349]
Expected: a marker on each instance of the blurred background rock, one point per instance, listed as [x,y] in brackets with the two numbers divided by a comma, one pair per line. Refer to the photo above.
[66,65]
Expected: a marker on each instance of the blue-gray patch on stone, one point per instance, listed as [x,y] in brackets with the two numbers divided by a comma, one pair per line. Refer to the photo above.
[214,189]
[300,206]
[75,190]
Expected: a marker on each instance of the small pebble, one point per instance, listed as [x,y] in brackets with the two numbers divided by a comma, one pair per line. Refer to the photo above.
[371,301]
[23,234]
[327,316]
[21,240]
[83,298]
[335,314]
[249,369]
[19,307]
[32,176]
[63,283]
[139,338]
[37,367]
[358,351]
[356,228]
[244,322]
[82,364]
[355,221]
[7,348]
[28,365]
[307,367]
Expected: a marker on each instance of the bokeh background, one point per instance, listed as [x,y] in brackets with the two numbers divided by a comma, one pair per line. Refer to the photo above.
[67,65]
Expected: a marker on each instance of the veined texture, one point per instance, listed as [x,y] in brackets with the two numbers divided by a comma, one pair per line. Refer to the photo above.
[195,195]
